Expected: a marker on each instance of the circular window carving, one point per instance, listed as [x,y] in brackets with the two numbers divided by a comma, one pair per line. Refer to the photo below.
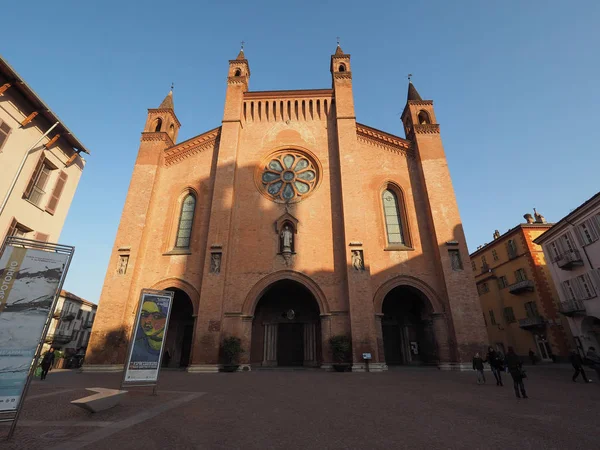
[288,176]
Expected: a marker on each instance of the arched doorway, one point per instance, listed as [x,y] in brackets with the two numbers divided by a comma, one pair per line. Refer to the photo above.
[408,336]
[286,327]
[180,333]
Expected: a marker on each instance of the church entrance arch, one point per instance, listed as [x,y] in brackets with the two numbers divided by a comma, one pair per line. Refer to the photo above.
[286,327]
[407,327]
[180,333]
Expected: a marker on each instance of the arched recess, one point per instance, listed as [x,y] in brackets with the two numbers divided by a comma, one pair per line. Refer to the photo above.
[257,291]
[423,118]
[183,285]
[406,280]
[157,124]
[170,237]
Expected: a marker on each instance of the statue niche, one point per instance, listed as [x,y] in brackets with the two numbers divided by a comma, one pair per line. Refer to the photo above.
[286,228]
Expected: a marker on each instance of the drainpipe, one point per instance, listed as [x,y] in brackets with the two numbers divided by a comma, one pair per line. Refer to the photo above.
[14,181]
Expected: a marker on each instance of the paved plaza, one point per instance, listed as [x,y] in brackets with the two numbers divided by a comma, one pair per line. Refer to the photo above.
[407,408]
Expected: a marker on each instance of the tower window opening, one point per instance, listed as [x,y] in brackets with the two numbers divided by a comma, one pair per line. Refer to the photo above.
[238,73]
[342,68]
[157,125]
[423,118]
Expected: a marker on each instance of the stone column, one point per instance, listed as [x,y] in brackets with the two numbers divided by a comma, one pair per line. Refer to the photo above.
[270,345]
[325,335]
[310,344]
[440,328]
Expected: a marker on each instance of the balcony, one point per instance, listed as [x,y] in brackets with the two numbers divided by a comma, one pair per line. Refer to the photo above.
[520,287]
[58,338]
[88,324]
[569,259]
[532,322]
[571,307]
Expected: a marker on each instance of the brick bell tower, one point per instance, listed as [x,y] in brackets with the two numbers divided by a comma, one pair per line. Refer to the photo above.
[462,317]
[359,292]
[121,290]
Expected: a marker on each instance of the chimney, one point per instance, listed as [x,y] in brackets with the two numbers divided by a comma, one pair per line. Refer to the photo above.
[528,217]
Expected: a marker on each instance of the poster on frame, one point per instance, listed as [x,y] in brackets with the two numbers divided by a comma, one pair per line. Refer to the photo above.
[148,338]
[30,279]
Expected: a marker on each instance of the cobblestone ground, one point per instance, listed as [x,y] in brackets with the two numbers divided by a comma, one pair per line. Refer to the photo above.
[410,408]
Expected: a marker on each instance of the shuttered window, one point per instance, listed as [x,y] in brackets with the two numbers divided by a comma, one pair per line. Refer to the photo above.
[4,132]
[585,286]
[589,231]
[57,192]
[186,221]
[509,315]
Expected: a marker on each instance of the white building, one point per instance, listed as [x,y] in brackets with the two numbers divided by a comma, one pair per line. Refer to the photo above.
[572,249]
[71,325]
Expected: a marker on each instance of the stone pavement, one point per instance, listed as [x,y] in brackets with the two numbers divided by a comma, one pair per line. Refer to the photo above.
[414,408]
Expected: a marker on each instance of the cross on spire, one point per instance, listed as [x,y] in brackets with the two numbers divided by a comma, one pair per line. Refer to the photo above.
[172,85]
[409,77]
[242,45]
[338,41]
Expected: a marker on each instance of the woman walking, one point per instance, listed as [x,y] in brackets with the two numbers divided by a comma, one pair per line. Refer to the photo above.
[495,364]
[47,362]
[515,367]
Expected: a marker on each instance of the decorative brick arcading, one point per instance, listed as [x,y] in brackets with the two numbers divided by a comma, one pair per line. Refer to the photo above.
[383,140]
[342,75]
[148,136]
[428,128]
[192,146]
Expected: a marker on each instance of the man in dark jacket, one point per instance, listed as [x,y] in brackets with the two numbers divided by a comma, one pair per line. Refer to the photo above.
[478,366]
[515,365]
[47,362]
[495,362]
[577,363]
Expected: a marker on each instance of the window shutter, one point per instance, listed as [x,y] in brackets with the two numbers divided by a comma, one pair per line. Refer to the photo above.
[56,193]
[592,228]
[11,228]
[578,289]
[588,280]
[4,132]
[40,236]
[596,277]
[565,291]
[34,176]
[580,237]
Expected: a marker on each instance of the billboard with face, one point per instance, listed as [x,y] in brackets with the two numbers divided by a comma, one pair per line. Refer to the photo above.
[147,347]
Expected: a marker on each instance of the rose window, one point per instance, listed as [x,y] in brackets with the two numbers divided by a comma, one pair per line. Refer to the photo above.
[289,176]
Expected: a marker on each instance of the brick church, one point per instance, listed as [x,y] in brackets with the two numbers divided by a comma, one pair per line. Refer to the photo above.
[291,223]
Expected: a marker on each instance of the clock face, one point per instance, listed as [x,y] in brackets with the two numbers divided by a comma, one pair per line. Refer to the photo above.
[290,314]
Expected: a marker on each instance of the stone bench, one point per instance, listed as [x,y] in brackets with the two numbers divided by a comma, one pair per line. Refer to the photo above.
[101,400]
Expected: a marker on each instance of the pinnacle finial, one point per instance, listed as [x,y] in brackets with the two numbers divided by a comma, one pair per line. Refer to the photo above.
[338,41]
[242,49]
[409,77]
[172,85]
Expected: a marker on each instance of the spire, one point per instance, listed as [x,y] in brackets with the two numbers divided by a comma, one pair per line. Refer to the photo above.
[241,56]
[412,92]
[167,103]
[338,50]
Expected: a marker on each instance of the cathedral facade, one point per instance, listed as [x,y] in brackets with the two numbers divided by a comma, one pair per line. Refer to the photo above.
[287,225]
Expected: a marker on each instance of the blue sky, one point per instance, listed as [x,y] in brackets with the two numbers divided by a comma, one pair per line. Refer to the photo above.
[515,86]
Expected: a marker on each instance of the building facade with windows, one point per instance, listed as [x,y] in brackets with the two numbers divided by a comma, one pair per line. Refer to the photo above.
[40,163]
[518,298]
[288,224]
[71,325]
[572,249]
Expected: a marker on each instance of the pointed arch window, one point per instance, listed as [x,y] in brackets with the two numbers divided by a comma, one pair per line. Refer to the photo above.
[396,232]
[157,124]
[186,221]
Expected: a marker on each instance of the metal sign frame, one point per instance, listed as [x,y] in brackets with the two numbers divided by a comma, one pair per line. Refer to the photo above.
[10,416]
[132,336]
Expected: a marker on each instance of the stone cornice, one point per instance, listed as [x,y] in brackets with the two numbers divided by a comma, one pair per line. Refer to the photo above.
[342,56]
[165,110]
[192,146]
[148,136]
[342,75]
[429,128]
[420,102]
[384,140]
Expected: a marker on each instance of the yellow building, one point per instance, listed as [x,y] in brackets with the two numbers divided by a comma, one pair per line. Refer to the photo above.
[518,298]
[40,163]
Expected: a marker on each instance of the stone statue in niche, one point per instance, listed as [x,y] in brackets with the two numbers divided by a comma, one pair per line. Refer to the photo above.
[215,263]
[287,239]
[357,260]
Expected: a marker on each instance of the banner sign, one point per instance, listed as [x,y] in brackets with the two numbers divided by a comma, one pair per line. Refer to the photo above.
[148,341]
[29,280]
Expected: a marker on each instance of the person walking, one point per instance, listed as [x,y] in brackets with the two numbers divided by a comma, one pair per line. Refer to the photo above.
[478,366]
[47,362]
[495,362]
[515,367]
[577,364]
[594,360]
[532,356]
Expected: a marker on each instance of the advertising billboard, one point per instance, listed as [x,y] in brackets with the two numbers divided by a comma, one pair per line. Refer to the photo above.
[148,340]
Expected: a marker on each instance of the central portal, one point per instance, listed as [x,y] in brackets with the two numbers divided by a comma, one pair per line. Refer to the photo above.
[286,327]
